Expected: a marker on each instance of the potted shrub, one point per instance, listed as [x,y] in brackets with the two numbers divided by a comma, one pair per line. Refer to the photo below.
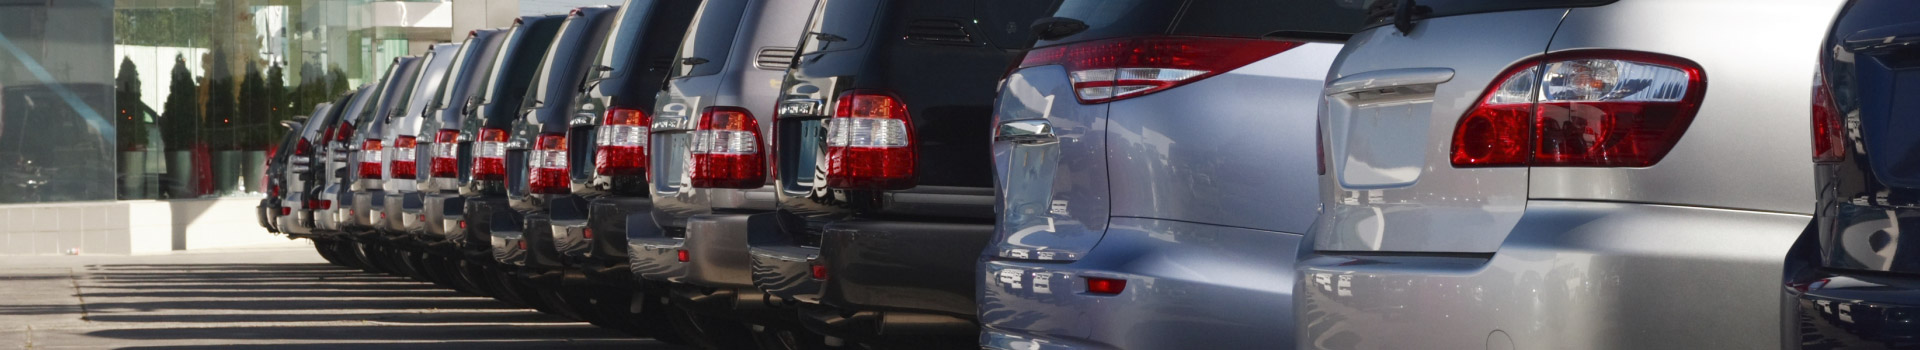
[130,132]
[179,130]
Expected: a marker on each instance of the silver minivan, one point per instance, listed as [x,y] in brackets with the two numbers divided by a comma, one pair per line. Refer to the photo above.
[1154,162]
[1621,174]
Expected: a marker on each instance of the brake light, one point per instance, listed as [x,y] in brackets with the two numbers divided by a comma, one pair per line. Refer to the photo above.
[1592,108]
[319,204]
[547,164]
[682,255]
[343,133]
[490,155]
[446,150]
[818,271]
[726,150]
[622,142]
[1097,285]
[284,211]
[870,143]
[1109,70]
[303,148]
[1829,135]
[404,156]
[370,156]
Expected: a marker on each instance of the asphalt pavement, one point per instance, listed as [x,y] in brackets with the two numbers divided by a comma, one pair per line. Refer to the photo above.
[260,299]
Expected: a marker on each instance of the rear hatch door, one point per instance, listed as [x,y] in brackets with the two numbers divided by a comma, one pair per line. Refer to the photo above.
[1390,110]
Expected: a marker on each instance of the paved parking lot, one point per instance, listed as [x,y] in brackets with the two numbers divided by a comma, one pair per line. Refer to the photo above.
[272,299]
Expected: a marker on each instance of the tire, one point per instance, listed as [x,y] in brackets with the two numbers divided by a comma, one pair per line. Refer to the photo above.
[789,338]
[710,333]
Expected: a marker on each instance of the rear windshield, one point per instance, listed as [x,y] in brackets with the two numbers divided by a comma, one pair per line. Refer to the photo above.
[367,113]
[621,38]
[839,25]
[441,96]
[710,38]
[1381,12]
[1225,18]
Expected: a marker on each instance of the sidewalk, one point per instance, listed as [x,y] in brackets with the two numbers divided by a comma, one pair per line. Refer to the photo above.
[259,299]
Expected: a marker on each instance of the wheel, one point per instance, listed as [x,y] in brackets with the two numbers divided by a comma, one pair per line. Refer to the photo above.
[475,277]
[325,249]
[710,333]
[788,338]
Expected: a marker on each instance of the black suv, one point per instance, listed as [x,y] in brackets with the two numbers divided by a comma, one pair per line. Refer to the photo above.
[1848,284]
[883,176]
[483,152]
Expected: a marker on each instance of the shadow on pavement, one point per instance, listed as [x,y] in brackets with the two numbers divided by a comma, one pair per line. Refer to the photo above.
[285,306]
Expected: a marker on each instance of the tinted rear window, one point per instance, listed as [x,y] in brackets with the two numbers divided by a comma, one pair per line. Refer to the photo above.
[1246,19]
[710,38]
[1381,11]
[847,22]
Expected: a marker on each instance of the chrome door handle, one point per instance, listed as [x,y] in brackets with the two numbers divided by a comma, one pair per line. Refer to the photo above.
[1034,131]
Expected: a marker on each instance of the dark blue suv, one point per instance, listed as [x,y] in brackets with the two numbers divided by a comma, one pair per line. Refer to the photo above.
[1848,283]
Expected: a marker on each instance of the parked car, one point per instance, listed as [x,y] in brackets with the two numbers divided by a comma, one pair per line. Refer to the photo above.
[883,174]
[290,181]
[608,153]
[330,162]
[484,185]
[271,208]
[537,181]
[711,166]
[447,159]
[1848,283]
[1561,174]
[1123,227]
[400,158]
[362,196]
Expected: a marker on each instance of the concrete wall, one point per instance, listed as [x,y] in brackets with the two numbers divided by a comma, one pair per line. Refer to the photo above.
[133,227]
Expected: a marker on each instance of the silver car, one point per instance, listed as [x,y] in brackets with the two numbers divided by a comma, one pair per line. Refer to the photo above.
[405,145]
[1155,175]
[1620,174]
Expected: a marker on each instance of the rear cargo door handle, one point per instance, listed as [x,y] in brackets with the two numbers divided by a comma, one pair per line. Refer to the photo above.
[1035,131]
[1390,82]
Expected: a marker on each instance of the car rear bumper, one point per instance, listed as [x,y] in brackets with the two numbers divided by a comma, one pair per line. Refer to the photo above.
[442,214]
[477,213]
[569,227]
[506,227]
[267,214]
[1826,308]
[1571,274]
[781,266]
[914,278]
[606,259]
[397,209]
[1190,286]
[369,211]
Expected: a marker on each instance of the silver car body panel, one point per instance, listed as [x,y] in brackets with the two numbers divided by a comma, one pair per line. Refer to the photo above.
[1682,254]
[1212,184]
[1398,189]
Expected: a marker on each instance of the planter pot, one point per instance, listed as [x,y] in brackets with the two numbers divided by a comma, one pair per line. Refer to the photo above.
[179,179]
[226,172]
[254,170]
[133,175]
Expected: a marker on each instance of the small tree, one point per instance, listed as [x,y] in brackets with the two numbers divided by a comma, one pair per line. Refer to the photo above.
[130,122]
[253,117]
[220,102]
[181,123]
[280,103]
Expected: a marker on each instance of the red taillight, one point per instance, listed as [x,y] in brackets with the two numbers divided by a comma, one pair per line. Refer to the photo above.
[370,156]
[446,153]
[622,144]
[682,255]
[547,164]
[1829,135]
[1097,285]
[818,271]
[490,155]
[274,190]
[726,150]
[522,245]
[284,211]
[586,233]
[870,143]
[1108,70]
[404,156]
[319,204]
[343,133]
[1589,108]
[303,148]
